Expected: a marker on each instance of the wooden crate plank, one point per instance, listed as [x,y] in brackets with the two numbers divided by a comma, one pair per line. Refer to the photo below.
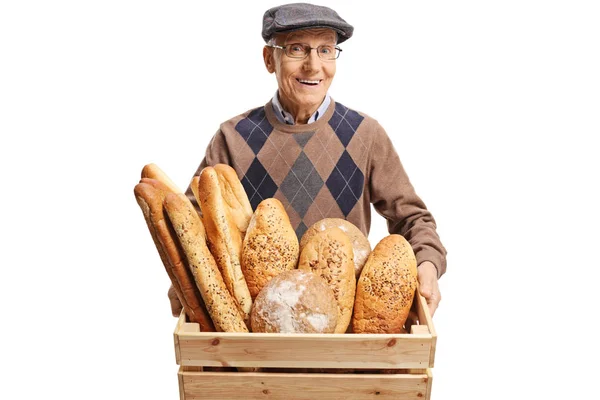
[425,319]
[290,386]
[180,323]
[429,383]
[314,350]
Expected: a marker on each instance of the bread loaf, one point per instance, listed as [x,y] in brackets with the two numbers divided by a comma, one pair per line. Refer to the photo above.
[150,194]
[194,184]
[270,246]
[386,288]
[329,255]
[235,196]
[360,243]
[152,171]
[224,238]
[188,227]
[295,302]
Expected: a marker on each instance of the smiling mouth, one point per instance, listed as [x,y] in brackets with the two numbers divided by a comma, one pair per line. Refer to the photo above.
[309,82]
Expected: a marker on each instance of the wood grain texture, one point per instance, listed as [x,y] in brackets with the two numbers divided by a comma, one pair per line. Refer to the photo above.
[299,386]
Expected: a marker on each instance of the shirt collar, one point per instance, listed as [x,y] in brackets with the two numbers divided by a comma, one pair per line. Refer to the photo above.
[287,118]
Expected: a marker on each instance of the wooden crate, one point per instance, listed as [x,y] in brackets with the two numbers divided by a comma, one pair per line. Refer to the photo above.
[367,366]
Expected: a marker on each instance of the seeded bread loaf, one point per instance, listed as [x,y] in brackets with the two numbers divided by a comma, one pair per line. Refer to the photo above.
[270,246]
[150,194]
[220,304]
[295,301]
[329,255]
[360,243]
[224,238]
[386,288]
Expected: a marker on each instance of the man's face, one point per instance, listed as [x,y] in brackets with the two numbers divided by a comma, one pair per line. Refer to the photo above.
[303,83]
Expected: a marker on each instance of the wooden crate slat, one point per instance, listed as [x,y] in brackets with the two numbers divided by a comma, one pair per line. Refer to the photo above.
[298,386]
[324,351]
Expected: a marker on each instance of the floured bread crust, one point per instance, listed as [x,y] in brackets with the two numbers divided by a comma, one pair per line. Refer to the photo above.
[295,302]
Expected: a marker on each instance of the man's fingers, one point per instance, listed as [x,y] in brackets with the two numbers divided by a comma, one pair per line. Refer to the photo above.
[426,290]
[432,303]
[175,303]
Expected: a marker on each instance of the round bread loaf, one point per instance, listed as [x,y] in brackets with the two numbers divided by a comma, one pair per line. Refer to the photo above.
[295,302]
[329,255]
[270,246]
[386,287]
[360,243]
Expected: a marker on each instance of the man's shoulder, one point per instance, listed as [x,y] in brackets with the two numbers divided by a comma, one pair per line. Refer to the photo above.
[351,115]
[256,115]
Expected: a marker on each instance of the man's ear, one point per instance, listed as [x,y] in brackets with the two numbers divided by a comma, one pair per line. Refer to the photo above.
[269,59]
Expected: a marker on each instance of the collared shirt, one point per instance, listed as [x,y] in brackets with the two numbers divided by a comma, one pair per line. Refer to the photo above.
[287,118]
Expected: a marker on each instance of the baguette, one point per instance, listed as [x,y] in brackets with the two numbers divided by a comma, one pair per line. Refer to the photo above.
[150,195]
[188,227]
[154,172]
[194,185]
[386,288]
[224,239]
[234,196]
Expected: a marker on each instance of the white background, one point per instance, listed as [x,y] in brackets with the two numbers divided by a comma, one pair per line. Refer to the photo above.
[493,107]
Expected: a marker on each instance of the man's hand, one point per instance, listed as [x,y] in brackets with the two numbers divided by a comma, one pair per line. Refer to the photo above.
[175,303]
[428,285]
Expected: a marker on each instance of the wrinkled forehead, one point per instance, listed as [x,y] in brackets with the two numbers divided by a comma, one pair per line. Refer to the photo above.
[322,35]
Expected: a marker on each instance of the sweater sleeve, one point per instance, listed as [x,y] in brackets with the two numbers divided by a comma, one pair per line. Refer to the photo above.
[217,152]
[394,197]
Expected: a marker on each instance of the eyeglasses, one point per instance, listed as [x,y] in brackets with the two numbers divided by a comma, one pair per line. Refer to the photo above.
[325,52]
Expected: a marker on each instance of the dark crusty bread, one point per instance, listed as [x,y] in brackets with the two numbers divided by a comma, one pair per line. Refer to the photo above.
[295,301]
[224,238]
[270,246]
[386,288]
[150,194]
[329,255]
[234,196]
[188,227]
[360,243]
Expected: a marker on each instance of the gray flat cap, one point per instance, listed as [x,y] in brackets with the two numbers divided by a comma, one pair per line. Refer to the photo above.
[297,16]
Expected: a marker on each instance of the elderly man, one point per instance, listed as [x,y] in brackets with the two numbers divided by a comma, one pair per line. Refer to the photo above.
[317,156]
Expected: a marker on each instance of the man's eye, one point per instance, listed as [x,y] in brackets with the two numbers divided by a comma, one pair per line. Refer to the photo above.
[326,49]
[296,48]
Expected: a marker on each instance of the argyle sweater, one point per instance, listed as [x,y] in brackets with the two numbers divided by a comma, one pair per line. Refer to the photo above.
[334,167]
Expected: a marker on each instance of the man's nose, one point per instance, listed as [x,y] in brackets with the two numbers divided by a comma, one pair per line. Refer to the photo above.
[312,60]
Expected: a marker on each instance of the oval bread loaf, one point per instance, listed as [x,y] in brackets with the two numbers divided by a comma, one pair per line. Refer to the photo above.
[270,246]
[295,301]
[386,288]
[360,243]
[329,254]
